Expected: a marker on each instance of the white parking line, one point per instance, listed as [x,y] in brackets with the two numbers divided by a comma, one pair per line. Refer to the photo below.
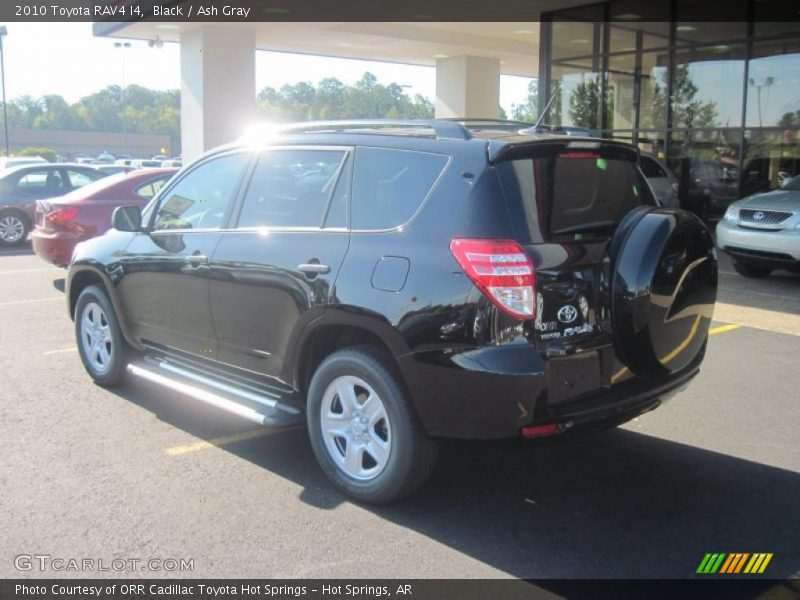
[29,301]
[60,351]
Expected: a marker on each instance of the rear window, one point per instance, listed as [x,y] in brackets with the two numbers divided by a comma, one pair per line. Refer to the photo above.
[572,195]
[390,185]
[650,168]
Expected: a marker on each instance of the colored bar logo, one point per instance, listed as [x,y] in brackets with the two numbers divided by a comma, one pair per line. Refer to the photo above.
[723,563]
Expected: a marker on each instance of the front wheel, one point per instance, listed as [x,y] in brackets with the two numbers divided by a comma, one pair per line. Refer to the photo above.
[363,428]
[750,271]
[101,344]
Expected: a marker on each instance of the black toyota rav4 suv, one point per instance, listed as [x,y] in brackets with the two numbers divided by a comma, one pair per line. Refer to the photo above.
[396,282]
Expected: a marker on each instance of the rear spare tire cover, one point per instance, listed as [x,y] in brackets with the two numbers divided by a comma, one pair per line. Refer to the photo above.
[664,285]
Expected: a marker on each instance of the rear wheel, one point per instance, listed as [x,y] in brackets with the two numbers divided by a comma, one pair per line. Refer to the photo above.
[101,344]
[14,228]
[750,271]
[363,428]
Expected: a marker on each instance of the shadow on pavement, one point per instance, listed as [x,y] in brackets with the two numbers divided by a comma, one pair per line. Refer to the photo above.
[617,504]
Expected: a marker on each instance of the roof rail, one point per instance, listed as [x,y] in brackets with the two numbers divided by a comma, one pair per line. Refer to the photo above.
[442,128]
[478,121]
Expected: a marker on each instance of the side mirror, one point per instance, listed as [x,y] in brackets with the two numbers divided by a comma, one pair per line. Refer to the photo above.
[127,218]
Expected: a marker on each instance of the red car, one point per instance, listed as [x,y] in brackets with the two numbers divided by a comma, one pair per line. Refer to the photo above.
[86,213]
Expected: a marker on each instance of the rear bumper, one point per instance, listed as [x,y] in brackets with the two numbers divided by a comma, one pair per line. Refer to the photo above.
[54,247]
[459,395]
[772,249]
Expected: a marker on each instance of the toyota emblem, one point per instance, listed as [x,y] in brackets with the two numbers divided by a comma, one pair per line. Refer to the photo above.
[758,216]
[567,314]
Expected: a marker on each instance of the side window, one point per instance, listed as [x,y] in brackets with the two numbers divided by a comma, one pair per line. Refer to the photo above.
[650,168]
[150,189]
[78,179]
[199,199]
[291,188]
[390,185]
[337,209]
[40,179]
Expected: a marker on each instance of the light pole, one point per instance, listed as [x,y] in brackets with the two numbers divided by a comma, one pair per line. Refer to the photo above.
[3,33]
[768,81]
[122,46]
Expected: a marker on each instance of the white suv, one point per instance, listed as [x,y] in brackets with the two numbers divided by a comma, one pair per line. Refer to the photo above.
[762,232]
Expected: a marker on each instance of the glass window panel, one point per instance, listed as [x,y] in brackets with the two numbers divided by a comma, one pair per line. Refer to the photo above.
[577,96]
[773,85]
[199,199]
[707,87]
[771,158]
[694,28]
[706,165]
[291,188]
[653,99]
[776,18]
[576,37]
[621,91]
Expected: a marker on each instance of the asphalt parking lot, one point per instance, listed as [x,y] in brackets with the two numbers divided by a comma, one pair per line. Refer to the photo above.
[139,473]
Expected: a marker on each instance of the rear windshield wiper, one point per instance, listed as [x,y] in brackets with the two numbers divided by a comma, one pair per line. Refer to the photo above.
[587,228]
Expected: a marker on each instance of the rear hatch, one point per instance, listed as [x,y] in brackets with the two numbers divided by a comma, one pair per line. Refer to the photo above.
[566,198]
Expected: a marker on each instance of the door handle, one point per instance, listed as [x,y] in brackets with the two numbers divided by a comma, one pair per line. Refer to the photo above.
[314,268]
[195,260]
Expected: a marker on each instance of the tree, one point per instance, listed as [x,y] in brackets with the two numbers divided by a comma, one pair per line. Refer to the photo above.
[687,111]
[332,99]
[584,104]
[46,153]
[528,111]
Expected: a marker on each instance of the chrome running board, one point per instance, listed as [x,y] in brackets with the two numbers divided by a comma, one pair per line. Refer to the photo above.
[262,409]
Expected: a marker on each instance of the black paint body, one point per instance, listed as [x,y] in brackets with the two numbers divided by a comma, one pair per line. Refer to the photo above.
[235,299]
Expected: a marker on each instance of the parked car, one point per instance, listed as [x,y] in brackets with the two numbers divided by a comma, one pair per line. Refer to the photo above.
[20,161]
[762,232]
[707,186]
[401,281]
[662,181]
[21,187]
[86,212]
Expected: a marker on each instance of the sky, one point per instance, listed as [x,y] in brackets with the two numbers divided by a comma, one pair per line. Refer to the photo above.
[65,59]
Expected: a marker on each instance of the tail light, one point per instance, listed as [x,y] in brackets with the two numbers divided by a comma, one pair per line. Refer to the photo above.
[502,271]
[62,216]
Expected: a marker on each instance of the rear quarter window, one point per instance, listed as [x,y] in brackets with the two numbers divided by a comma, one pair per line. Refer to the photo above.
[573,195]
[390,185]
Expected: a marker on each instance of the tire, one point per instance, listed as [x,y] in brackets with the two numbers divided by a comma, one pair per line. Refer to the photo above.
[14,228]
[750,271]
[101,345]
[393,455]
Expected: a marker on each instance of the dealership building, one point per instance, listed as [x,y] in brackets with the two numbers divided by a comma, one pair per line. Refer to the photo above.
[719,101]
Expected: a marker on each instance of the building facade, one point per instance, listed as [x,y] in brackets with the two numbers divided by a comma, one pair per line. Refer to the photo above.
[719,101]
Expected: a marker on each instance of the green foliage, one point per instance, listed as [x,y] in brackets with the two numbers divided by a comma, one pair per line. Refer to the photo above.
[584,104]
[135,109]
[687,111]
[46,153]
[332,99]
[528,111]
[790,120]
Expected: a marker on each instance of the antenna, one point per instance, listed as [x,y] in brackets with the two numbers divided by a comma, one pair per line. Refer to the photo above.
[544,112]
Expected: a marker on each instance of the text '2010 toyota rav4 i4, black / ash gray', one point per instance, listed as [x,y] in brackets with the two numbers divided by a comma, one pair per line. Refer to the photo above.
[398,282]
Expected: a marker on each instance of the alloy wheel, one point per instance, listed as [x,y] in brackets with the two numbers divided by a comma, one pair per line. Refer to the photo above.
[96,339]
[355,428]
[11,229]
